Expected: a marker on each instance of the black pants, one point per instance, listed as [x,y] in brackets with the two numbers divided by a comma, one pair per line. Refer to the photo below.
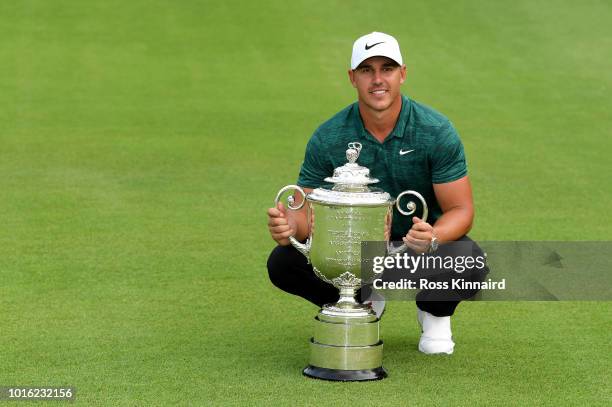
[289,271]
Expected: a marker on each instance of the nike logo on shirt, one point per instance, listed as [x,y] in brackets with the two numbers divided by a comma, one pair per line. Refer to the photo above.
[402,152]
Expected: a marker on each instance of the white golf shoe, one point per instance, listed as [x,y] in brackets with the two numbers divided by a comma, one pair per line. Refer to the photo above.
[437,336]
[378,306]
[377,303]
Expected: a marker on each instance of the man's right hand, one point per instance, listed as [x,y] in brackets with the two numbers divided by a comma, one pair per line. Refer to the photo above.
[280,225]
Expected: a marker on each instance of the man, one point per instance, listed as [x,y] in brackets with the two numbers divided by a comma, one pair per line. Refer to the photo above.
[407,146]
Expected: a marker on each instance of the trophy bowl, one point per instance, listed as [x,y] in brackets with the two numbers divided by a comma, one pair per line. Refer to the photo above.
[346,345]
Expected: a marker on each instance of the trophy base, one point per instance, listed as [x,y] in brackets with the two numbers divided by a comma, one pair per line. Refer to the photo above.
[339,375]
[346,348]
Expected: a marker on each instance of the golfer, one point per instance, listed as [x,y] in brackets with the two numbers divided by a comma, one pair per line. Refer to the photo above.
[406,145]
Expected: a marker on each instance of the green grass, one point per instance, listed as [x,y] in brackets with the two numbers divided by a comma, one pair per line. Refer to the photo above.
[141,142]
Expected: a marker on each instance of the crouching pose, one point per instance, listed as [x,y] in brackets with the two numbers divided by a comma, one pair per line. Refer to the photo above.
[406,145]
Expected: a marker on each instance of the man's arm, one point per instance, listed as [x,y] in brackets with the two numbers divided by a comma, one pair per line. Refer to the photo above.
[283,222]
[455,200]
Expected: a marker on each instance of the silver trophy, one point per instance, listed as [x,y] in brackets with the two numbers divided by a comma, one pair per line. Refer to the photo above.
[346,345]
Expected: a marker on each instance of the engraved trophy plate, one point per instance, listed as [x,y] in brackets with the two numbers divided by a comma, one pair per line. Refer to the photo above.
[349,213]
[342,229]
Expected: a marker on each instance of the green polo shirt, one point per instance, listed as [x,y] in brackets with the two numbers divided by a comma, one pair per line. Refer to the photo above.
[423,149]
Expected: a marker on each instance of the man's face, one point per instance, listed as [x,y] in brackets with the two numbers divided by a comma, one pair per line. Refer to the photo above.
[378,81]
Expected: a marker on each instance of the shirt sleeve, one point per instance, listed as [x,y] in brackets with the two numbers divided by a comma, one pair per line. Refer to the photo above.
[313,170]
[447,158]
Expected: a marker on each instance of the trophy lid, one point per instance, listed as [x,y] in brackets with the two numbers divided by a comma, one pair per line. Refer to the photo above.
[351,185]
[351,173]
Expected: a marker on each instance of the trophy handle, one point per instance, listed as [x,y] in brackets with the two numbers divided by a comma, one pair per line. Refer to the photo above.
[411,206]
[303,248]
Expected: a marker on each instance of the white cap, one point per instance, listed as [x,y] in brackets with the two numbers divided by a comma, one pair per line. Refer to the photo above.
[375,45]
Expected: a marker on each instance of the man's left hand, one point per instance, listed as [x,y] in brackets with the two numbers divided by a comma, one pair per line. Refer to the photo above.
[419,236]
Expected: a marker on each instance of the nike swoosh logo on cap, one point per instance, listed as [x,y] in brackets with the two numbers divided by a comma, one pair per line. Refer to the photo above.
[367,47]
[402,152]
